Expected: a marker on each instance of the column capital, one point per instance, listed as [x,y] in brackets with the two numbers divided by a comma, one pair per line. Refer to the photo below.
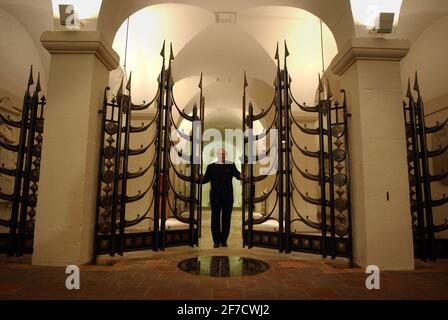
[81,42]
[368,49]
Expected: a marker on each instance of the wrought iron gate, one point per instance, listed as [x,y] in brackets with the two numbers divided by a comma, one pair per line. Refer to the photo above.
[17,230]
[428,240]
[172,217]
[282,223]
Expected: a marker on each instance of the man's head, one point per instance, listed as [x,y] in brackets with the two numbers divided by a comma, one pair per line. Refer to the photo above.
[221,153]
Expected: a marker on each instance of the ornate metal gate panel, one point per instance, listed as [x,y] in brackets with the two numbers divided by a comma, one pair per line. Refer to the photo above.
[17,230]
[429,242]
[292,229]
[118,227]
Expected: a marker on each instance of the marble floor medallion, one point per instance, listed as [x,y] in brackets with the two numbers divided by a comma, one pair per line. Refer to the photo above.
[223,266]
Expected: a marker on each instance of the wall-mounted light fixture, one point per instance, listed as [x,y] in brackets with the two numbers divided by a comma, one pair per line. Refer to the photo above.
[386,22]
[375,16]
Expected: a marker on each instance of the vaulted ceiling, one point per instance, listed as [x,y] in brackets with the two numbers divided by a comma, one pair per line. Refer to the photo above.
[220,50]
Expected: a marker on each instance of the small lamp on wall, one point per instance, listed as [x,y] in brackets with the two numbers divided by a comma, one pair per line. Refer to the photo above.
[385,23]
[69,16]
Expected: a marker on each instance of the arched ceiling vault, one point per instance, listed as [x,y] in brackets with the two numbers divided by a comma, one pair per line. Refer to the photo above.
[223,51]
[335,13]
[416,16]
[223,100]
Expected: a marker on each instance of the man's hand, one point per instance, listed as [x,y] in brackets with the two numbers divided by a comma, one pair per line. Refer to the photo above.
[243,175]
[199,179]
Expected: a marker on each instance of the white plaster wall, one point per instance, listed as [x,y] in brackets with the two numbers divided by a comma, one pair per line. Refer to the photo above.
[428,57]
[17,53]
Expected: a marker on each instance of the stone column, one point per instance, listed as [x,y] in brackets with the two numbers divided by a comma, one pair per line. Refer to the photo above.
[79,72]
[369,70]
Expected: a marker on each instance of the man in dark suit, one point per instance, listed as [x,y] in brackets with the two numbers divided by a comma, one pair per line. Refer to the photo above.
[220,175]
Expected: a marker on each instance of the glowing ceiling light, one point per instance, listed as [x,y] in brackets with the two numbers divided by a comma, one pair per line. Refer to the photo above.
[367,12]
[87,9]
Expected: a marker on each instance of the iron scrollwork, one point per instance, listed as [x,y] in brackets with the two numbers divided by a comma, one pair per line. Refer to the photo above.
[23,200]
[332,235]
[114,232]
[427,244]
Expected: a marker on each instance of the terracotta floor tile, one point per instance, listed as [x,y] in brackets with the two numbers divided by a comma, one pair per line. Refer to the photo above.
[292,294]
[154,275]
[195,294]
[226,293]
[161,293]
[260,294]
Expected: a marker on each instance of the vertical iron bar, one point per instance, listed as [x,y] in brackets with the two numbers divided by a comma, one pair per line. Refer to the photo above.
[426,178]
[243,163]
[280,158]
[100,174]
[346,116]
[417,175]
[288,161]
[192,177]
[331,177]
[322,179]
[124,179]
[251,190]
[27,171]
[115,196]
[19,169]
[166,151]
[201,169]
[157,171]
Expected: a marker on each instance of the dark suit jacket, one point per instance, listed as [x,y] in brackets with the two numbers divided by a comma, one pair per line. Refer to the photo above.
[220,176]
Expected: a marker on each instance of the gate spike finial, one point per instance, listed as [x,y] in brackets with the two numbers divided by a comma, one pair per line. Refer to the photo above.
[328,87]
[120,89]
[30,79]
[321,87]
[128,86]
[162,53]
[200,82]
[171,51]
[38,87]
[277,57]
[344,98]
[286,50]
[245,80]
[416,85]
[408,92]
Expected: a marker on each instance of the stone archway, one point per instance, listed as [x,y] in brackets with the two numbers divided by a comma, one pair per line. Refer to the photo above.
[335,13]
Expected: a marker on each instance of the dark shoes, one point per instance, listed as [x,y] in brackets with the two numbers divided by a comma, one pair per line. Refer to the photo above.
[217,245]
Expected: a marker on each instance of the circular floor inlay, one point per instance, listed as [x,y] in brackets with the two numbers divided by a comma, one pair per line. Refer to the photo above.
[223,266]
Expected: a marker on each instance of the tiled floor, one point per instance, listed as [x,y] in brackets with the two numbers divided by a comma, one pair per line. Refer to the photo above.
[148,275]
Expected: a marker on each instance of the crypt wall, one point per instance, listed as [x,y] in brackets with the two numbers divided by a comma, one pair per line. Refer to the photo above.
[428,57]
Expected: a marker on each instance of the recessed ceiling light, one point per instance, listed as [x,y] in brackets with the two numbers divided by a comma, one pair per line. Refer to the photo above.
[225,17]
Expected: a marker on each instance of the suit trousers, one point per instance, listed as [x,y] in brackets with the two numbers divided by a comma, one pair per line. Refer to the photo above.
[221,218]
